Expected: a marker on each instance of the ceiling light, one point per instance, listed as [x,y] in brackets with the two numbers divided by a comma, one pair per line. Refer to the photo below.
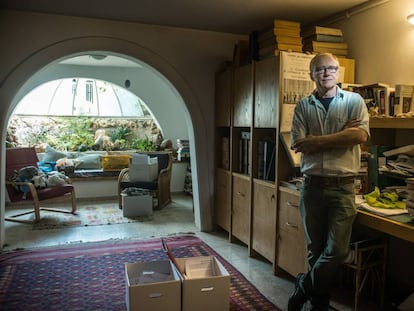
[410,19]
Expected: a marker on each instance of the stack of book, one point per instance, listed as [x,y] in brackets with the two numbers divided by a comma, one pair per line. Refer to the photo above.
[318,39]
[283,35]
[376,97]
[409,202]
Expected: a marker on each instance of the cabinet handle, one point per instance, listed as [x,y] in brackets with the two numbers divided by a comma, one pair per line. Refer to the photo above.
[291,225]
[288,203]
[272,198]
[240,194]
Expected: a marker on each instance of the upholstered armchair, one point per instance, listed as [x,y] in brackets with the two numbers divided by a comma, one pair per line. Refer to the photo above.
[160,187]
[18,158]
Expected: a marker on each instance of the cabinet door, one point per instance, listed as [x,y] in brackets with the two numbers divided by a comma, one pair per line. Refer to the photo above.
[291,246]
[223,97]
[241,209]
[243,96]
[222,206]
[266,93]
[264,219]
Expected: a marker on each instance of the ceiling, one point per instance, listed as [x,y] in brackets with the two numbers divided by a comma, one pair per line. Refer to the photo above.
[231,16]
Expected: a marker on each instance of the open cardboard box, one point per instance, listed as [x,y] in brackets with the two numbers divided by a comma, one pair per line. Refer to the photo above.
[152,286]
[205,284]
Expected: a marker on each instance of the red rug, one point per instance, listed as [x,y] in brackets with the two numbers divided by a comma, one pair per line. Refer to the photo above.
[92,277]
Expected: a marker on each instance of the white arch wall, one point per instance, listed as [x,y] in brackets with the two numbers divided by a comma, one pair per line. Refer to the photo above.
[187,58]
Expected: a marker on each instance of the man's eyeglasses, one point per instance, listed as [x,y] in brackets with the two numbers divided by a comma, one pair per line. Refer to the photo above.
[329,69]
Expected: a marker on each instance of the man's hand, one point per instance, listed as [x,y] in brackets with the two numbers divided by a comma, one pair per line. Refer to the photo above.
[309,144]
[352,123]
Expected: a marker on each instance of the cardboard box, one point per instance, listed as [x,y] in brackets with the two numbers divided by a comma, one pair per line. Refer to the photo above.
[205,286]
[144,172]
[136,205]
[152,286]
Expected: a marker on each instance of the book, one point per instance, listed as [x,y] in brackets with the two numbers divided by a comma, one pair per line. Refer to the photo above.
[320,30]
[279,40]
[244,155]
[328,45]
[260,159]
[376,96]
[281,23]
[316,50]
[403,102]
[407,150]
[269,149]
[336,48]
[286,32]
[324,38]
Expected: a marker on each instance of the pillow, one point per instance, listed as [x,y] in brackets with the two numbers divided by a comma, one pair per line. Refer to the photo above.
[52,155]
[88,161]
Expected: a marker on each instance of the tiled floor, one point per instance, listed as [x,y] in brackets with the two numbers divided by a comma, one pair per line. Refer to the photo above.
[173,219]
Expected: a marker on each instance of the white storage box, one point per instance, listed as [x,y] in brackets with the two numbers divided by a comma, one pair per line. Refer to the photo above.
[138,158]
[136,205]
[152,286]
[144,172]
[205,285]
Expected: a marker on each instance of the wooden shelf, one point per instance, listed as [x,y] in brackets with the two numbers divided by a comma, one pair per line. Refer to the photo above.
[398,123]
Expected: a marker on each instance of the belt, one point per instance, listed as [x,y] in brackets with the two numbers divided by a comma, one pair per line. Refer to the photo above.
[323,181]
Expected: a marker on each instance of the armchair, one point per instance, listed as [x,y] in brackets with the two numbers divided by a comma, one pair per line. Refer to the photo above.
[160,187]
[17,158]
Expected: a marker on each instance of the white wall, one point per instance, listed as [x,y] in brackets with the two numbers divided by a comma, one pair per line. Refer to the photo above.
[382,43]
[185,59]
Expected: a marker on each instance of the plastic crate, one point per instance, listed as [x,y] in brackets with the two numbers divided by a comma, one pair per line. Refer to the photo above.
[115,162]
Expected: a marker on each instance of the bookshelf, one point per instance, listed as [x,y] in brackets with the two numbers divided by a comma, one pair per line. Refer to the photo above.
[223,139]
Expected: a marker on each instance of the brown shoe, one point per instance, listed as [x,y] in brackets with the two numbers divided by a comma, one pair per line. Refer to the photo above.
[298,297]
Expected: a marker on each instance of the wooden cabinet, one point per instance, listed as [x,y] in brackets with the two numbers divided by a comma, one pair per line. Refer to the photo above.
[223,119]
[264,219]
[266,91]
[258,92]
[291,246]
[223,97]
[240,215]
[222,200]
[243,96]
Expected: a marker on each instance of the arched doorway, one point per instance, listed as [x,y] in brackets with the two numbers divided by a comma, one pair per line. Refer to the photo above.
[21,79]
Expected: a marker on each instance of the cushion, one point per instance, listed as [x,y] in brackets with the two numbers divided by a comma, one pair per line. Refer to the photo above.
[88,161]
[52,155]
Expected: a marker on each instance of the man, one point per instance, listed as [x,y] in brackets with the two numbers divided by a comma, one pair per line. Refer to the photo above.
[327,128]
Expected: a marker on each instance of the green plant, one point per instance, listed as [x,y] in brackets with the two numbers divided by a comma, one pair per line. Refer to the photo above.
[75,134]
[120,133]
[143,144]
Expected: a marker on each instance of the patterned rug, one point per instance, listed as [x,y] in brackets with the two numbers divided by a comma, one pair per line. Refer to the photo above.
[92,277]
[87,215]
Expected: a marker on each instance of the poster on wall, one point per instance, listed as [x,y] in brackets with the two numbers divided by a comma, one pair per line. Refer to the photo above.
[296,83]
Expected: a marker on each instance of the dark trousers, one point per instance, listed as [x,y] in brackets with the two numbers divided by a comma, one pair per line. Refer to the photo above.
[328,212]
